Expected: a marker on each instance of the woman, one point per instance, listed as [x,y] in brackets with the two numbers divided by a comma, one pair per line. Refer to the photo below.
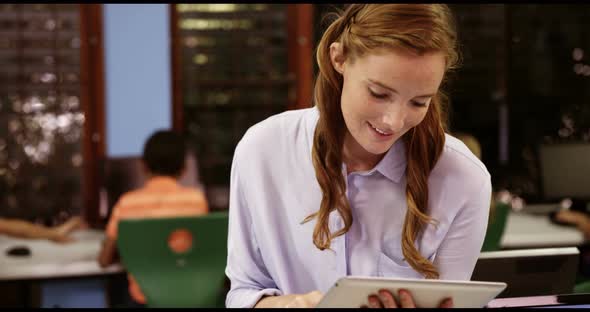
[366,182]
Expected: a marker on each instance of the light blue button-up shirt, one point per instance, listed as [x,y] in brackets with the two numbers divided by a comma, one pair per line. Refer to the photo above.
[274,187]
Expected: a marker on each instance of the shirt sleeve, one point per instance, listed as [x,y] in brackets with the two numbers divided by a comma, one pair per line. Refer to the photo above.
[458,252]
[245,268]
[112,225]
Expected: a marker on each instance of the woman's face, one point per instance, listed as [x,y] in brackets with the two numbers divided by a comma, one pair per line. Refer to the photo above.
[384,95]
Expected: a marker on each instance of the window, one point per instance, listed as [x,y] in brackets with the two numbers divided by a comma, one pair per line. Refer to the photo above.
[42,112]
[235,65]
[526,85]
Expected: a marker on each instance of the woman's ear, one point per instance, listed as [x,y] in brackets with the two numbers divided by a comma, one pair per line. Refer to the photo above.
[337,57]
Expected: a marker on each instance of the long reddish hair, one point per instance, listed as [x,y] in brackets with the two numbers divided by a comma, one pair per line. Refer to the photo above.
[360,29]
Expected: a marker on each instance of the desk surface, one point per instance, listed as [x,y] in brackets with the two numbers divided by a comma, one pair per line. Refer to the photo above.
[532,231]
[551,301]
[54,260]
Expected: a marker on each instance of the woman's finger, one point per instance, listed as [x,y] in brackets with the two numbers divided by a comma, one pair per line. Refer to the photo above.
[374,302]
[405,299]
[446,303]
[387,299]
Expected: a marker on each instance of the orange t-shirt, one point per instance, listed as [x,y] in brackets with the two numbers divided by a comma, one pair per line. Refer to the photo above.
[161,196]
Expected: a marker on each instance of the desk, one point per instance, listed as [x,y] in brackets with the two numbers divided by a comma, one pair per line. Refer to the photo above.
[581,301]
[53,260]
[51,264]
[534,231]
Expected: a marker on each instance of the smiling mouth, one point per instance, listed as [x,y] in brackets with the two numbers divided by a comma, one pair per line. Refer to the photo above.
[379,131]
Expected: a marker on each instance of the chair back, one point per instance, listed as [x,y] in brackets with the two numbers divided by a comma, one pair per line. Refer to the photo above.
[179,261]
[496,227]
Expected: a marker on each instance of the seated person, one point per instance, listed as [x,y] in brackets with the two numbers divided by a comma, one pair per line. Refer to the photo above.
[161,196]
[25,229]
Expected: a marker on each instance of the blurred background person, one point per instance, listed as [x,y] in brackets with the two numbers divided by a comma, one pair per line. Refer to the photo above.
[25,229]
[161,196]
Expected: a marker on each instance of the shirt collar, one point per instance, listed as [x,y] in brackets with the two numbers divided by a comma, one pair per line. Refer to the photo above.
[393,164]
[161,182]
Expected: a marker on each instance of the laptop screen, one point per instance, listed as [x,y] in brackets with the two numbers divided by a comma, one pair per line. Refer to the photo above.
[529,272]
[565,170]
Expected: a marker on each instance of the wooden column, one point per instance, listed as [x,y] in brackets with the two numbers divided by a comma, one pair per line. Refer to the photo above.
[300,64]
[92,100]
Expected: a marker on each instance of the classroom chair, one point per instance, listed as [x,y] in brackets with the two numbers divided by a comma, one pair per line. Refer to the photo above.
[582,288]
[496,227]
[177,262]
[583,278]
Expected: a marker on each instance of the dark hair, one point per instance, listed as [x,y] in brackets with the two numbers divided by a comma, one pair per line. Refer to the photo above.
[164,153]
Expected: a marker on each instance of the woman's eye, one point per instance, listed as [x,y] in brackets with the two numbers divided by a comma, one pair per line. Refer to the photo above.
[419,104]
[377,95]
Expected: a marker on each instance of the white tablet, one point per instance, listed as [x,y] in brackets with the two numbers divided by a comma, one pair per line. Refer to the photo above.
[353,291]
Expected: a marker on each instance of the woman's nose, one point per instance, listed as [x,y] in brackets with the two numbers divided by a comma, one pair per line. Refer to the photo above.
[394,120]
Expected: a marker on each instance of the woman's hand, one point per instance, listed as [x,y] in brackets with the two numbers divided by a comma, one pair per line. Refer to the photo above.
[308,300]
[384,299]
